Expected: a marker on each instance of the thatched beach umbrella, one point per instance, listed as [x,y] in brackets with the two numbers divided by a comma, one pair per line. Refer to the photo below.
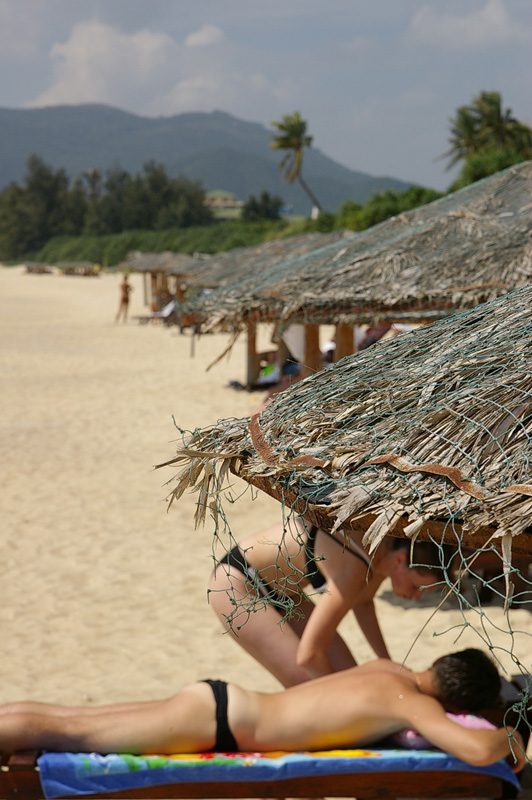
[166,262]
[239,263]
[428,434]
[464,249]
[164,274]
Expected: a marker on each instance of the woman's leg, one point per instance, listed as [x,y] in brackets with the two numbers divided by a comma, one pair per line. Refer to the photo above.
[258,628]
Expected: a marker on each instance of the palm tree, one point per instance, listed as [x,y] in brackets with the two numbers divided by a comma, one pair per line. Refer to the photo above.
[499,128]
[292,136]
[464,138]
[484,127]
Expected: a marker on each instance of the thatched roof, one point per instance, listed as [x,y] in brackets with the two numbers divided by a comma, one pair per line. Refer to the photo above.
[429,433]
[167,262]
[237,264]
[464,249]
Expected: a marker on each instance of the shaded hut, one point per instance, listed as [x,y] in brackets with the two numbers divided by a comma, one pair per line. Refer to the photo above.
[426,435]
[236,267]
[165,275]
[464,249]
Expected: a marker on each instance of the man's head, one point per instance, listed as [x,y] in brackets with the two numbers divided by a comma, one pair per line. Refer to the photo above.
[467,681]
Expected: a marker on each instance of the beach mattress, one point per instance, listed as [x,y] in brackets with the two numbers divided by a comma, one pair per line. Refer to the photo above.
[89,773]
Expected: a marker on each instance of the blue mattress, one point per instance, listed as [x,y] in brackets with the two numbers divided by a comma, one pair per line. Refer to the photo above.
[89,773]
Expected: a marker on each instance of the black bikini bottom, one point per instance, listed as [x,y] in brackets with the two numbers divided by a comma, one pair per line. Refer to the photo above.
[225,741]
[236,559]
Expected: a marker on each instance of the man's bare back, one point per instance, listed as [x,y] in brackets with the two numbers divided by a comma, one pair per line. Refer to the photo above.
[355,707]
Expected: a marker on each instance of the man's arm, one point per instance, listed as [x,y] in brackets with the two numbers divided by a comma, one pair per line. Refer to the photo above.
[476,747]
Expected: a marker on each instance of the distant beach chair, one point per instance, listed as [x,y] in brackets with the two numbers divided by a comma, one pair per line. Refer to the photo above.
[165,315]
[38,269]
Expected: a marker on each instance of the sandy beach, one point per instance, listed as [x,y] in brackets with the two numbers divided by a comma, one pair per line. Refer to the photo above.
[104,589]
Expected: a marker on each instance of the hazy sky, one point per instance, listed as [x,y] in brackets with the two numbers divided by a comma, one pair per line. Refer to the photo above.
[377,80]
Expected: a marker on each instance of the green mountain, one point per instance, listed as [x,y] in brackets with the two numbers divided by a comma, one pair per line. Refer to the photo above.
[219,150]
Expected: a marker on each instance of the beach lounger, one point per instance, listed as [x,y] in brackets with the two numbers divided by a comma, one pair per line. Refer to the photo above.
[364,774]
[165,314]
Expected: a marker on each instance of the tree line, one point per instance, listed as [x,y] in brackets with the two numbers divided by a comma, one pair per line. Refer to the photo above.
[95,204]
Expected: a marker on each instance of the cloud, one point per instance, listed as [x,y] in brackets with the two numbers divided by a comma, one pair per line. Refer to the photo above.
[207,35]
[153,74]
[490,26]
[150,72]
[224,89]
[199,93]
[99,64]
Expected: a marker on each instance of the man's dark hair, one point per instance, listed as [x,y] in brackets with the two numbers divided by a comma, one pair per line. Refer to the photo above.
[467,681]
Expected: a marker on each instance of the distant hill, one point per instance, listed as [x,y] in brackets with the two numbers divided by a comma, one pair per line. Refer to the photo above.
[219,150]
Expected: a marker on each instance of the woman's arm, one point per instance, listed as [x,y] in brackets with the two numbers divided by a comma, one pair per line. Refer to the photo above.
[316,644]
[348,588]
[366,617]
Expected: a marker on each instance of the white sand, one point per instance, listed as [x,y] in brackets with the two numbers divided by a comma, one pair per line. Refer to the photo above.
[103,591]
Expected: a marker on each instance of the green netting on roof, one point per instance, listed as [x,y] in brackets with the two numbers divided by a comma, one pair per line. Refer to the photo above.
[238,264]
[166,262]
[464,249]
[457,393]
[428,434]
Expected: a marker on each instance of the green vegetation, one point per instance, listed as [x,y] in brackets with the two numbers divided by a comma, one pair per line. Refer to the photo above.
[383,206]
[109,250]
[101,219]
[487,138]
[265,207]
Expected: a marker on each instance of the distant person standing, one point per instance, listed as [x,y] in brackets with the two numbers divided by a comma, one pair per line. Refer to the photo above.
[125,289]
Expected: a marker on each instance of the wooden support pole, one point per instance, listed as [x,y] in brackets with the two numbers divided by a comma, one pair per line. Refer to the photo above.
[313,359]
[345,345]
[145,288]
[253,365]
[153,292]
[282,354]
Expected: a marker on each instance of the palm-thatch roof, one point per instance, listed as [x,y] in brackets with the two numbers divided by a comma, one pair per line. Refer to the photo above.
[240,262]
[464,249]
[427,434]
[167,262]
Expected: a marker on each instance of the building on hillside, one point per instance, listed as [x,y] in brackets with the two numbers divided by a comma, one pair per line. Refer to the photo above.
[224,205]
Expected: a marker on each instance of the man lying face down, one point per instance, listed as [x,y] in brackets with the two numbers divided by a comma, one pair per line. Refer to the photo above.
[355,707]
